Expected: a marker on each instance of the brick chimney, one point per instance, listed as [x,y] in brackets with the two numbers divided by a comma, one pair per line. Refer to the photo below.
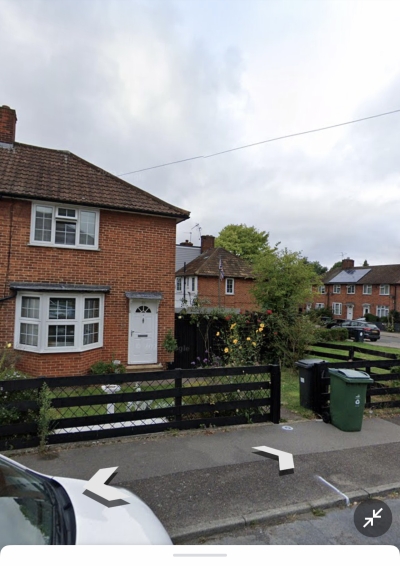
[347,263]
[8,120]
[186,243]
[207,243]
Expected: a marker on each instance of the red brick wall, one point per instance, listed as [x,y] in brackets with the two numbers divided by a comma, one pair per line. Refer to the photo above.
[137,253]
[358,299]
[242,299]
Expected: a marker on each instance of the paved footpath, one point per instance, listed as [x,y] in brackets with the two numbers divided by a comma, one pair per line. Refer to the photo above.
[207,481]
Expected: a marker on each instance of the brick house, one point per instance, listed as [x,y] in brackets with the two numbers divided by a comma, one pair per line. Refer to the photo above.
[217,277]
[352,292]
[87,262]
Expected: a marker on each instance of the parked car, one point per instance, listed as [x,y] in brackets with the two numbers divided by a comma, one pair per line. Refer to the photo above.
[334,322]
[39,509]
[371,331]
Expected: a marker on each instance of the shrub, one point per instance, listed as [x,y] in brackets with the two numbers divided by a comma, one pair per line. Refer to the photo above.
[103,368]
[371,317]
[333,334]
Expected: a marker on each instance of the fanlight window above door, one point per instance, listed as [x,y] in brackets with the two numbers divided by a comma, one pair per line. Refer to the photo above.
[143,309]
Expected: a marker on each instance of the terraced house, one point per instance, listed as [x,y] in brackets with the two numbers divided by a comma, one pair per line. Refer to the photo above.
[352,292]
[87,262]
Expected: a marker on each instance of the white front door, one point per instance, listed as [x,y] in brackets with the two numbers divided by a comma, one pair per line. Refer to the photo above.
[143,332]
[350,312]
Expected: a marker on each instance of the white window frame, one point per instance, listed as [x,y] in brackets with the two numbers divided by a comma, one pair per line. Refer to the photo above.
[337,308]
[351,289]
[319,306]
[44,322]
[232,291]
[56,216]
[381,308]
[321,289]
[367,289]
[337,289]
[178,287]
[384,290]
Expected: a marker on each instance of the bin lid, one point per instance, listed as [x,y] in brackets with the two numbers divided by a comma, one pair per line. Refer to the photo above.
[306,363]
[351,375]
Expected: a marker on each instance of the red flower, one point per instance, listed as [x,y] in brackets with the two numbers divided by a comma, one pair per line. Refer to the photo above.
[228,317]
[269,312]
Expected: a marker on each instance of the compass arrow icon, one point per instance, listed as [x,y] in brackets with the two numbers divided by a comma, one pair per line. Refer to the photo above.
[370,520]
[286,464]
[97,488]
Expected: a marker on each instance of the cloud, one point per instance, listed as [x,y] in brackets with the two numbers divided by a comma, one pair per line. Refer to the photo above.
[131,85]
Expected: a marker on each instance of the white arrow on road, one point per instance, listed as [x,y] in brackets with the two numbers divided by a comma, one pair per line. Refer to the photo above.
[370,520]
[97,488]
[286,464]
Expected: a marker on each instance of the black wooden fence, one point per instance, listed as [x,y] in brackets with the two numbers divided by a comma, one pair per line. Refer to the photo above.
[141,403]
[196,341]
[351,355]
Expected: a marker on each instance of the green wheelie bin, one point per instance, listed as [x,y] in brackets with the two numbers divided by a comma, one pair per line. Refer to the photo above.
[347,398]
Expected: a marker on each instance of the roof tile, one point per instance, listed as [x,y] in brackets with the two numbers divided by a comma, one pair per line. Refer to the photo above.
[47,174]
[207,265]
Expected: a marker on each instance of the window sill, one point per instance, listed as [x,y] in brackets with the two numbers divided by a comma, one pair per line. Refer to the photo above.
[58,246]
[35,350]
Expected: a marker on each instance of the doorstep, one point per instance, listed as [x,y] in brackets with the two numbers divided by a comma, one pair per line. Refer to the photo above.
[141,368]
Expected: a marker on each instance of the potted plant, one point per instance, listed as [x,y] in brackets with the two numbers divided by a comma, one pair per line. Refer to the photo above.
[170,345]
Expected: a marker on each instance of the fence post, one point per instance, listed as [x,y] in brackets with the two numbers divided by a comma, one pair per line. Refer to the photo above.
[275,393]
[319,386]
[368,396]
[178,398]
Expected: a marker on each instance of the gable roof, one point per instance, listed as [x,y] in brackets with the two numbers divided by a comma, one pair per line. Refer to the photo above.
[39,173]
[207,265]
[372,275]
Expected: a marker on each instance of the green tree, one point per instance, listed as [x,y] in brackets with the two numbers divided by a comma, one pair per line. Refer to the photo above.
[244,241]
[365,264]
[337,264]
[284,282]
[318,268]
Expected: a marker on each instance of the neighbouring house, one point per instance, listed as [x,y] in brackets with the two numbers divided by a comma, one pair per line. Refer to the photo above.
[87,263]
[352,292]
[185,253]
[215,278]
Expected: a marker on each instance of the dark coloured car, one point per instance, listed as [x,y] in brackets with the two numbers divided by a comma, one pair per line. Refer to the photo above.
[371,331]
[331,322]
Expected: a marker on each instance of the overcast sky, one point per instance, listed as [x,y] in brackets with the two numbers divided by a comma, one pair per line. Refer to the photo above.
[129,84]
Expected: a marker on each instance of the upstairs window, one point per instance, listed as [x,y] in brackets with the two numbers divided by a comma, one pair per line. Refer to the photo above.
[63,226]
[351,289]
[367,289]
[384,289]
[229,286]
[336,289]
[321,289]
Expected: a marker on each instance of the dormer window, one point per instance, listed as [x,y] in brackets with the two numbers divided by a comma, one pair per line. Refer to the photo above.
[64,226]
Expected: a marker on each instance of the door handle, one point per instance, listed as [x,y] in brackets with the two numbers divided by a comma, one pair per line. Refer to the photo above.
[132,331]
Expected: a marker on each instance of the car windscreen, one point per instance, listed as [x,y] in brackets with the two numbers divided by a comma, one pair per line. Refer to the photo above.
[28,510]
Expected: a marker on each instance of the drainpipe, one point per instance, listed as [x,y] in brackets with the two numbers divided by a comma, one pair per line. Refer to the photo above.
[184,283]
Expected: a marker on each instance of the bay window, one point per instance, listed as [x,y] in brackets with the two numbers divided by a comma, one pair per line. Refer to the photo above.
[57,322]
